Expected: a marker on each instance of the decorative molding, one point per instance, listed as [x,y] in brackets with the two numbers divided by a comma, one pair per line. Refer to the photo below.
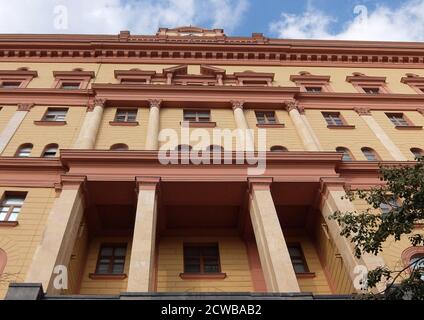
[362,78]
[363,111]
[237,104]
[259,183]
[72,181]
[25,106]
[147,183]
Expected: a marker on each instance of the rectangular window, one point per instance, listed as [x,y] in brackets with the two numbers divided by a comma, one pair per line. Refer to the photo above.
[55,114]
[126,115]
[333,118]
[201,259]
[197,116]
[313,89]
[70,85]
[111,259]
[10,84]
[266,117]
[398,119]
[11,207]
[371,90]
[298,259]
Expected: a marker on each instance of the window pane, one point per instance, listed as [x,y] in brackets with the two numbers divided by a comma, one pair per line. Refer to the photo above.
[192,268]
[120,252]
[13,216]
[3,215]
[118,269]
[103,268]
[14,201]
[106,251]
[299,268]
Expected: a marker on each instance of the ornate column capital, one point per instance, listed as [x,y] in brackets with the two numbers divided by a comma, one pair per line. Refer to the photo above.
[237,104]
[363,111]
[97,102]
[155,103]
[294,105]
[25,106]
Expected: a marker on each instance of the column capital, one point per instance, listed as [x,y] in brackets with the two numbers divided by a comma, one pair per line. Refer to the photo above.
[25,106]
[155,103]
[97,102]
[72,181]
[294,105]
[147,183]
[331,183]
[259,183]
[421,110]
[237,104]
[363,111]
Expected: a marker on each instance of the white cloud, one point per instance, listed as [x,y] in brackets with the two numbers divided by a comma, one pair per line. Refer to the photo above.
[111,16]
[405,23]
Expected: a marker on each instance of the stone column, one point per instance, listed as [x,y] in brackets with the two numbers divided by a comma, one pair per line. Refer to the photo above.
[152,142]
[13,124]
[334,199]
[394,151]
[273,252]
[59,235]
[90,127]
[140,277]
[304,130]
[244,133]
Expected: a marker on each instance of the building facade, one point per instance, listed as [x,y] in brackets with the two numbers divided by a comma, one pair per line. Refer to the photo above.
[88,207]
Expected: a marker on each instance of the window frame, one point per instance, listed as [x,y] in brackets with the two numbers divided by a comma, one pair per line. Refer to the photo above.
[24,146]
[50,147]
[196,116]
[3,81]
[7,195]
[278,149]
[376,155]
[302,257]
[202,257]
[111,264]
[128,113]
[420,151]
[398,123]
[46,114]
[119,147]
[346,151]
[266,117]
[331,118]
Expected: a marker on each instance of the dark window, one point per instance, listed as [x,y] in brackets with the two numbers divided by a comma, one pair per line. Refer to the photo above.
[387,206]
[70,85]
[417,152]
[201,259]
[371,90]
[417,264]
[313,89]
[279,149]
[197,116]
[333,118]
[11,84]
[370,154]
[398,119]
[298,259]
[50,151]
[126,115]
[53,114]
[24,150]
[266,117]
[111,259]
[11,207]
[346,153]
[119,147]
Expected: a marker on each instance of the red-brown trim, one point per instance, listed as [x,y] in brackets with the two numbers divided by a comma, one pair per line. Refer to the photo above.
[97,276]
[345,126]
[409,127]
[204,276]
[306,275]
[9,223]
[124,123]
[50,123]
[270,125]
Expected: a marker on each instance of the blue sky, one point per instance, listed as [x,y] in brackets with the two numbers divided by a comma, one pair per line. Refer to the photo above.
[310,19]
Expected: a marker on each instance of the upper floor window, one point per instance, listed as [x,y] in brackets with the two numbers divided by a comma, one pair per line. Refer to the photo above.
[50,151]
[10,84]
[368,84]
[119,147]
[197,116]
[126,115]
[417,263]
[24,151]
[417,152]
[278,149]
[333,118]
[266,117]
[370,154]
[201,259]
[55,114]
[70,85]
[371,90]
[72,80]
[313,89]
[347,156]
[111,259]
[297,258]
[11,206]
[398,119]
[388,205]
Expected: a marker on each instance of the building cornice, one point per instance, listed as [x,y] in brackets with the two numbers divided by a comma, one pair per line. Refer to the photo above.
[220,50]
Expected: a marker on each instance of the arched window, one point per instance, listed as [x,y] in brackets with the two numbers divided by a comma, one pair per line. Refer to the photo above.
[3,260]
[417,152]
[347,155]
[414,257]
[183,148]
[24,151]
[370,154]
[119,147]
[215,148]
[50,151]
[278,149]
